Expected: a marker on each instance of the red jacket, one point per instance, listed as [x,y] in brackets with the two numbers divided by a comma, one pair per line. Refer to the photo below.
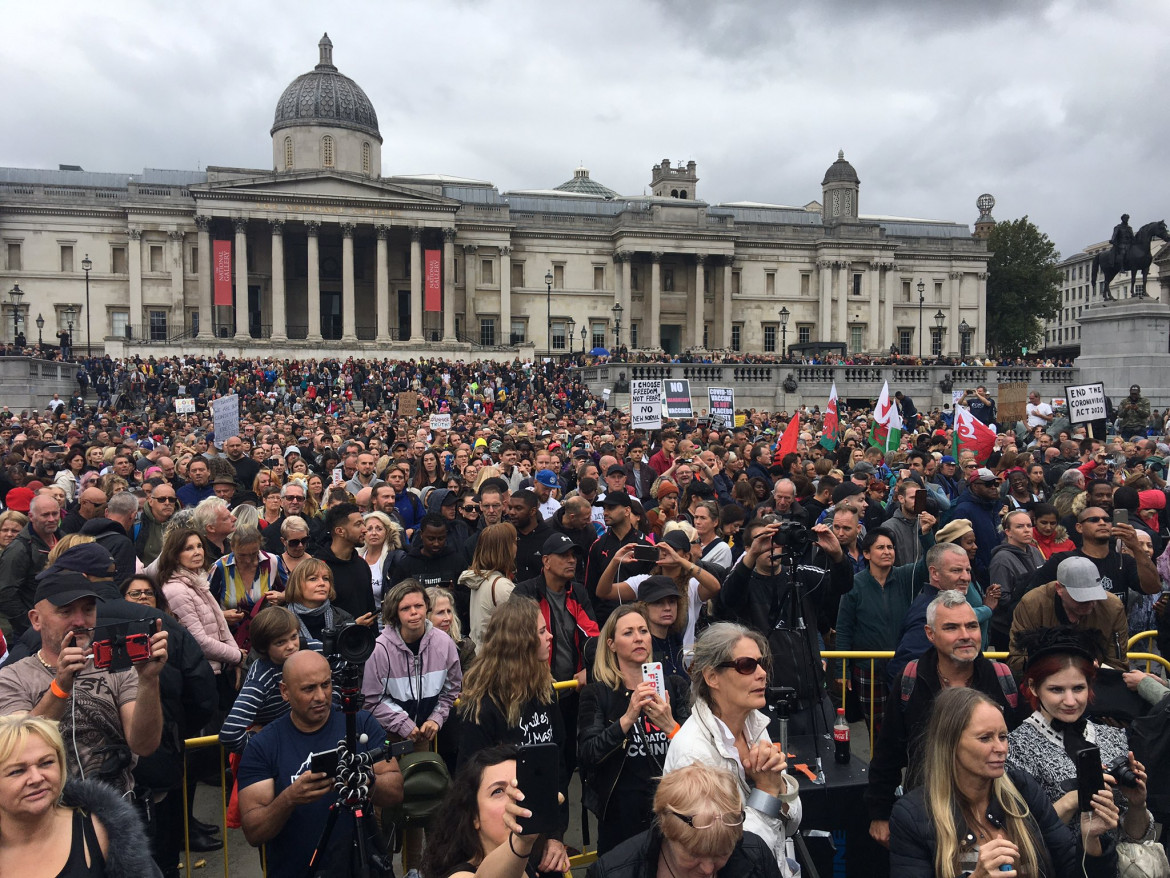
[578,607]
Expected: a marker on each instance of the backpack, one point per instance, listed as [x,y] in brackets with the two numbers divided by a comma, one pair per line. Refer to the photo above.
[425,780]
[1003,674]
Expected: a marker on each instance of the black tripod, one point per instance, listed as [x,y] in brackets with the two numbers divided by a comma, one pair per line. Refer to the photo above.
[355,777]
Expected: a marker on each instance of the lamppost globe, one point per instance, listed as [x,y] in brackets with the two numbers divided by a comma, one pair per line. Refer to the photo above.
[571,326]
[40,321]
[584,333]
[617,324]
[548,282]
[939,319]
[921,299]
[784,315]
[15,295]
[86,265]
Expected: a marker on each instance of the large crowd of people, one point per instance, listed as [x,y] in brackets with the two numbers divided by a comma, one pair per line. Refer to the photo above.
[515,573]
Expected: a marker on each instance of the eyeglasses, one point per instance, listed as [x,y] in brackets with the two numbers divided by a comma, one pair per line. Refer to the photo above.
[141,593]
[1094,519]
[696,542]
[744,665]
[299,542]
[706,821]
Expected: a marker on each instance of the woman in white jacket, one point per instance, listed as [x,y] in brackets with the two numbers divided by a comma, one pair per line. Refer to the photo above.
[726,729]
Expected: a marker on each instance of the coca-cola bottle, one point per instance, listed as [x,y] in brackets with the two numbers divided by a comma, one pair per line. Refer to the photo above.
[841,738]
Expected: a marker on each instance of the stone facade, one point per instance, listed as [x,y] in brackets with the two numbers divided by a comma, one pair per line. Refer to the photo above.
[329,255]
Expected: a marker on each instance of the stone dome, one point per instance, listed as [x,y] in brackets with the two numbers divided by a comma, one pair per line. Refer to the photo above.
[581,183]
[841,172]
[325,97]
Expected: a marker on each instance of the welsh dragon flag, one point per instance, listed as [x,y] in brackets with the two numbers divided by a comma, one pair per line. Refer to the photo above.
[831,426]
[973,435]
[886,432]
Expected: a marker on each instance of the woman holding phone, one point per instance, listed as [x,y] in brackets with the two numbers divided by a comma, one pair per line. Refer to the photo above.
[624,727]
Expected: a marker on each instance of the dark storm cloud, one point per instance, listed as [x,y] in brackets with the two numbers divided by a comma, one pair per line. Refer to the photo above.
[1053,107]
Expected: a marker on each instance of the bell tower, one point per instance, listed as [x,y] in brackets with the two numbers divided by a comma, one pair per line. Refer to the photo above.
[839,190]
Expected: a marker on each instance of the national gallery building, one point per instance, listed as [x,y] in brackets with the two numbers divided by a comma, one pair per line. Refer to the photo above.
[323,254]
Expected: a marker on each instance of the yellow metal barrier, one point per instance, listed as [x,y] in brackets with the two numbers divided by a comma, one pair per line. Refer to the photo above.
[197,744]
[1138,638]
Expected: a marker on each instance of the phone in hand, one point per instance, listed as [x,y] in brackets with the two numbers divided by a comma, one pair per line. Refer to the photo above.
[920,498]
[652,672]
[538,775]
[337,474]
[1090,776]
[646,553]
[324,763]
[1121,516]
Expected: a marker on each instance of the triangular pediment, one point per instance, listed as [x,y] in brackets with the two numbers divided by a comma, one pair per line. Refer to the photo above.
[320,185]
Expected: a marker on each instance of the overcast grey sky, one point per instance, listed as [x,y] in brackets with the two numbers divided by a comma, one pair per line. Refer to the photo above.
[1056,108]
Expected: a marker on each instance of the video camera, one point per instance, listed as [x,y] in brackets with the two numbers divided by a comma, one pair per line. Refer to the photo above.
[350,642]
[792,536]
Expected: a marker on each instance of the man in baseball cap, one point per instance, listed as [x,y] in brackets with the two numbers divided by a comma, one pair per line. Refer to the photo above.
[543,485]
[1077,598]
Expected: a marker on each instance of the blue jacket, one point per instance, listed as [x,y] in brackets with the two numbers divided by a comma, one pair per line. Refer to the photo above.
[984,518]
[914,644]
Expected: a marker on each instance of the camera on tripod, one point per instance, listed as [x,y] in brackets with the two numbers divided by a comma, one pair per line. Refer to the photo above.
[350,642]
[791,536]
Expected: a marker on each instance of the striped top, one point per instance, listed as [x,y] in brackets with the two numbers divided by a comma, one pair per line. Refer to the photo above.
[258,704]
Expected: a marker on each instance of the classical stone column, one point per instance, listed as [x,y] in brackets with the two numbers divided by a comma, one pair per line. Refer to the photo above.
[887,295]
[203,224]
[841,286]
[952,336]
[241,257]
[448,285]
[134,259]
[871,293]
[382,283]
[725,322]
[698,297]
[279,294]
[979,343]
[622,260]
[313,302]
[655,300]
[825,315]
[348,307]
[505,334]
[469,286]
[416,286]
[178,313]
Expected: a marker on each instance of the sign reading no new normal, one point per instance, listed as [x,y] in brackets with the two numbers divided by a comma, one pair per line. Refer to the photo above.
[646,405]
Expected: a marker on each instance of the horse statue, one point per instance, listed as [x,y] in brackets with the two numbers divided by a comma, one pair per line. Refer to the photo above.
[1139,258]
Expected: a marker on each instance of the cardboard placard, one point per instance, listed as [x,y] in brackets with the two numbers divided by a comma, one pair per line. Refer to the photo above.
[407,403]
[184,406]
[1012,402]
[441,422]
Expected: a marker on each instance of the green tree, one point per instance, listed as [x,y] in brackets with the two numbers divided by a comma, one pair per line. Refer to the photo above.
[1023,286]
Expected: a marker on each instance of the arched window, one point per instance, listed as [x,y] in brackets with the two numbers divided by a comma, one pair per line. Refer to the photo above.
[288,153]
[366,157]
[683,195]
[327,151]
[674,193]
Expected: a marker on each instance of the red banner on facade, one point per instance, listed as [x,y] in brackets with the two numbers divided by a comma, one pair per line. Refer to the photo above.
[221,271]
[434,286]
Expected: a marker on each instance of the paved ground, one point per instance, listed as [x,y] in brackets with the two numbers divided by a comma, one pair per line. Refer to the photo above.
[244,860]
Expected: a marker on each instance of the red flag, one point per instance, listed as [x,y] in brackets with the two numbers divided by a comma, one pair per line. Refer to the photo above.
[787,443]
[972,434]
[221,256]
[433,274]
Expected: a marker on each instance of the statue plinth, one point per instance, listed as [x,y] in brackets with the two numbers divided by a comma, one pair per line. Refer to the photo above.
[1127,342]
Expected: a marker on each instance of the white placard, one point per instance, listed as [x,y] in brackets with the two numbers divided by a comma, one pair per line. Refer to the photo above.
[646,405]
[184,406]
[1086,402]
[441,422]
[226,413]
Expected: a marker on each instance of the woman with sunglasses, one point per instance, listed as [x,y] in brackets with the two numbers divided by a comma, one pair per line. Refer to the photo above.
[294,536]
[729,680]
[624,727]
[698,829]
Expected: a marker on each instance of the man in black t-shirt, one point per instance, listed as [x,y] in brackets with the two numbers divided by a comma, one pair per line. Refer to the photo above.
[1120,574]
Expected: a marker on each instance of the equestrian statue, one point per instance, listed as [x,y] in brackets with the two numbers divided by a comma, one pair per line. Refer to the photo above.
[1130,252]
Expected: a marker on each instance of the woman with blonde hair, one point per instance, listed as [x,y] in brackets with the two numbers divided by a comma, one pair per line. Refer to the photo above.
[508,697]
[491,471]
[11,524]
[698,829]
[50,827]
[973,816]
[624,728]
[64,544]
[309,594]
[382,543]
[489,581]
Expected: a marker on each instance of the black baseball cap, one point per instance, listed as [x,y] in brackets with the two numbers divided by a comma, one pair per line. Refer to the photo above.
[557,544]
[91,558]
[655,588]
[616,470]
[64,589]
[615,498]
[847,489]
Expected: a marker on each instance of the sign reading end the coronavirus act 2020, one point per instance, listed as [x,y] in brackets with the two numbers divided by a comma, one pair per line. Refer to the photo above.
[646,405]
[678,399]
[1086,402]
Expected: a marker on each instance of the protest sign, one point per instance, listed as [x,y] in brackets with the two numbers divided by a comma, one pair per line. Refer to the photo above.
[184,406]
[225,411]
[646,405]
[678,398]
[441,422]
[722,404]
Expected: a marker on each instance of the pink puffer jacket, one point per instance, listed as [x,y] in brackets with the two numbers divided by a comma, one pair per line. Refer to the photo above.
[197,609]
